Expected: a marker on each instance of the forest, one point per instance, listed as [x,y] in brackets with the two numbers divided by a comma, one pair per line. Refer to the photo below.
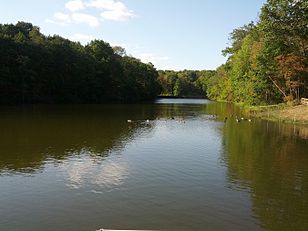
[267,61]
[35,68]
[186,83]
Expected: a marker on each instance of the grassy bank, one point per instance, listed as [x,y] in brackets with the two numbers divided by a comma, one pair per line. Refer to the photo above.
[281,112]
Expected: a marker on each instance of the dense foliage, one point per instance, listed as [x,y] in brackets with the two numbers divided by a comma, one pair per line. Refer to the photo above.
[268,60]
[35,68]
[185,83]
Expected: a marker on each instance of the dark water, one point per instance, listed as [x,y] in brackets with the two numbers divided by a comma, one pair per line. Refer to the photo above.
[85,168]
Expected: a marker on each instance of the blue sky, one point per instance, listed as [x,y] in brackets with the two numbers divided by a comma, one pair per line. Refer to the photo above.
[172,34]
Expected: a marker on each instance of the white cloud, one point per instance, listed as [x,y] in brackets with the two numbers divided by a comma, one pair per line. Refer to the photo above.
[160,61]
[92,21]
[60,19]
[75,5]
[112,10]
[82,38]
[63,18]
[66,19]
[117,15]
[151,58]
[111,5]
[48,20]
[136,50]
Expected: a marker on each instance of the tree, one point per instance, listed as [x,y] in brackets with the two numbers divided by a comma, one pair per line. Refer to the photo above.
[294,71]
[268,60]
[119,51]
[35,68]
[237,37]
[284,24]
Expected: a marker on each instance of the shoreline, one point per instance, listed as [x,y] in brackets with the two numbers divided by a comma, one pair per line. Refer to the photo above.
[180,97]
[281,113]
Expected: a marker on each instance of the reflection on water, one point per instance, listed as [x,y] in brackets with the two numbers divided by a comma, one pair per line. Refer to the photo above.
[181,164]
[270,160]
[32,134]
[106,174]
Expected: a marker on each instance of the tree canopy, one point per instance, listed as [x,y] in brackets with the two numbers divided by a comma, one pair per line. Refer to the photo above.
[35,68]
[267,60]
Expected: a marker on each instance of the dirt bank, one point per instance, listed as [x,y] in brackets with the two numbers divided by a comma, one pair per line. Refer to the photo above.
[290,114]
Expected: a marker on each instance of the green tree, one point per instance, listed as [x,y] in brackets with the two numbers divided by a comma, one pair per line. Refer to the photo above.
[267,61]
[35,68]
[284,24]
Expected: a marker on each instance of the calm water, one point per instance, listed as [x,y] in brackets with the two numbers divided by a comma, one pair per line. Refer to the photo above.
[85,168]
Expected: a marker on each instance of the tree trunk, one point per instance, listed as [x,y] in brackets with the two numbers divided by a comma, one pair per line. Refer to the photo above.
[284,94]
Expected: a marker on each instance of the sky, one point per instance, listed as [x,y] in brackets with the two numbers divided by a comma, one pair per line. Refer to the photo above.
[171,34]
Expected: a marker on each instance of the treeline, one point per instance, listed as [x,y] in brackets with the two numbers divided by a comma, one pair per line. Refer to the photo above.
[267,60]
[185,83]
[35,68]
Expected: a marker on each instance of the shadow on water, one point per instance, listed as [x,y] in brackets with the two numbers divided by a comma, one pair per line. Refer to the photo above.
[34,134]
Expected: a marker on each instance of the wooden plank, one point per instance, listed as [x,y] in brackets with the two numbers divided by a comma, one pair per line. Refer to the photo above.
[121,230]
[304,101]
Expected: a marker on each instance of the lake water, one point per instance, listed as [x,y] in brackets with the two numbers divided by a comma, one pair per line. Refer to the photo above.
[84,167]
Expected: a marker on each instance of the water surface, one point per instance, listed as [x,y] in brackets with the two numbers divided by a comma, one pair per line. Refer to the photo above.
[84,167]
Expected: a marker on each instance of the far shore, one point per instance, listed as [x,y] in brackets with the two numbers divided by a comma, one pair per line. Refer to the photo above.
[180,97]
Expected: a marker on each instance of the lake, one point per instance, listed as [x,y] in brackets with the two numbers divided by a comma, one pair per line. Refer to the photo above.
[178,165]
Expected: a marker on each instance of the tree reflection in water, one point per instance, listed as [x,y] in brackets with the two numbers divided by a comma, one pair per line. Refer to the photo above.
[270,160]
